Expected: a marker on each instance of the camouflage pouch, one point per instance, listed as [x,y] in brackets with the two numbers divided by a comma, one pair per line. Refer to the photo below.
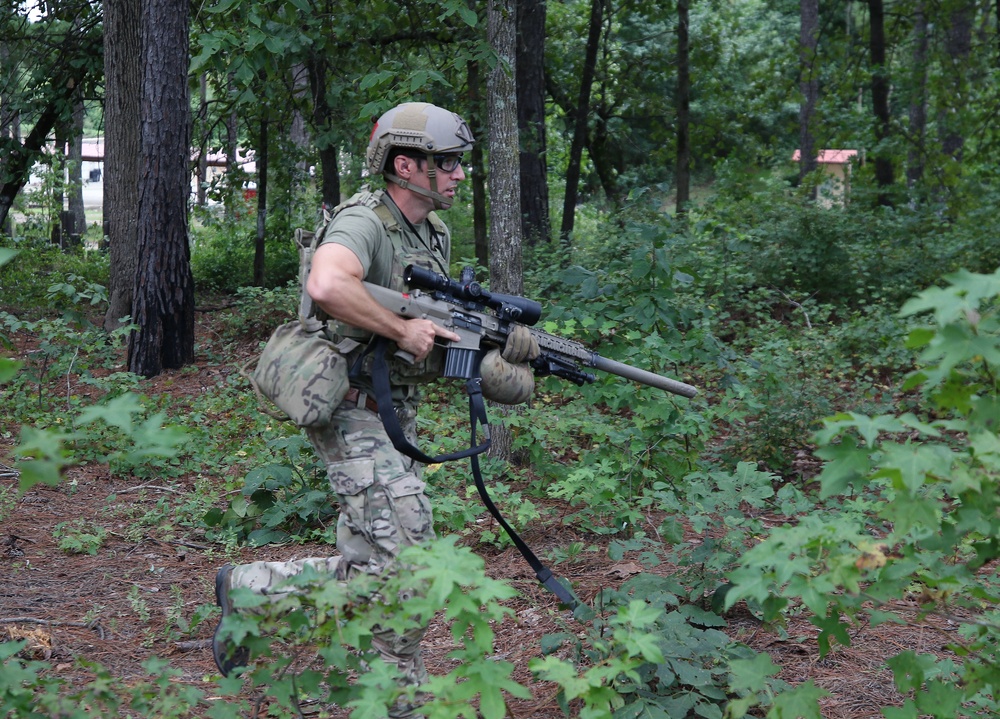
[303,373]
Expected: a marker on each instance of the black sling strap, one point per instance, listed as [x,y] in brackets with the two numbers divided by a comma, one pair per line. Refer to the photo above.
[477,416]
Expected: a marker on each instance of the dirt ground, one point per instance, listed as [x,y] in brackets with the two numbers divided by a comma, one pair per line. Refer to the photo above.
[115,608]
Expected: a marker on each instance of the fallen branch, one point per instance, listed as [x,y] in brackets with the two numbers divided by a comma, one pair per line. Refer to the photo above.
[193,644]
[147,486]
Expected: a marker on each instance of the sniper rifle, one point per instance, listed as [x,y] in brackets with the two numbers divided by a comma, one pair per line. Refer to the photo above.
[481,317]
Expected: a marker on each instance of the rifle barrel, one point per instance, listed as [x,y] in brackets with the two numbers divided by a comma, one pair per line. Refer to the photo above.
[640,375]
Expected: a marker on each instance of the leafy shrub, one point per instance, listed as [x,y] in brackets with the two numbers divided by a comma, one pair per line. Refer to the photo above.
[337,621]
[645,653]
[286,498]
[258,311]
[911,511]
[222,256]
[24,285]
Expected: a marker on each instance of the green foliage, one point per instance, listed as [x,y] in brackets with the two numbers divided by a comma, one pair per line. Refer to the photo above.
[287,498]
[341,619]
[259,310]
[28,690]
[25,285]
[646,654]
[222,255]
[921,516]
[79,536]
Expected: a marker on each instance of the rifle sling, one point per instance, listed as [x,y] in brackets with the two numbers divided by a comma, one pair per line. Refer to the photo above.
[477,415]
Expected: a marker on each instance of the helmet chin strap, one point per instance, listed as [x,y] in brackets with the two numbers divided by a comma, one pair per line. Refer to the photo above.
[440,201]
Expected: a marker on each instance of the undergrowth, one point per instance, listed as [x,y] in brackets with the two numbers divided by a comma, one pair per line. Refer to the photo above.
[790,364]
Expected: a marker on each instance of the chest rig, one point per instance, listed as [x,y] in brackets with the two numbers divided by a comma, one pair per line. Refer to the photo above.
[408,249]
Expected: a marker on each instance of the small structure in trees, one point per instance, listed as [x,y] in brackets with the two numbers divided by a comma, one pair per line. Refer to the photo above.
[836,165]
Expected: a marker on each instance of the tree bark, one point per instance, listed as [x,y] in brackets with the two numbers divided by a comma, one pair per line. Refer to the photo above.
[918,101]
[74,166]
[164,288]
[504,178]
[59,187]
[202,192]
[958,46]
[258,253]
[329,164]
[580,119]
[808,86]
[479,220]
[123,91]
[300,140]
[535,223]
[683,109]
[234,174]
[884,172]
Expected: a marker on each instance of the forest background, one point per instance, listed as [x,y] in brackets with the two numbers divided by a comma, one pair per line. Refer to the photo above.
[838,468]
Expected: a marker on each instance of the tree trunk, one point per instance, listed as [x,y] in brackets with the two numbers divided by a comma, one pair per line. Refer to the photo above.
[59,186]
[123,90]
[234,174]
[918,101]
[580,119]
[74,167]
[299,139]
[164,288]
[504,178]
[884,173]
[258,252]
[204,143]
[683,109]
[958,46]
[535,224]
[479,221]
[9,134]
[808,86]
[329,161]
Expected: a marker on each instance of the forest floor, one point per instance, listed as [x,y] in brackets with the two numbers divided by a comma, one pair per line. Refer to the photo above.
[119,607]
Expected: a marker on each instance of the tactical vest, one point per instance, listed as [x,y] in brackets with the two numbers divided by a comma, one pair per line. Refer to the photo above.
[405,253]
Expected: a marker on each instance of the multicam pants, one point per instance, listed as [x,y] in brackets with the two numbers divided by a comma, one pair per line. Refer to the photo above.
[382,510]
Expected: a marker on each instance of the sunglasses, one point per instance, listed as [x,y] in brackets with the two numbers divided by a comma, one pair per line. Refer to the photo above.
[448,163]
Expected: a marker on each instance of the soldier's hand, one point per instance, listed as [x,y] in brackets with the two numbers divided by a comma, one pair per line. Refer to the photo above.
[420,336]
[506,382]
[520,346]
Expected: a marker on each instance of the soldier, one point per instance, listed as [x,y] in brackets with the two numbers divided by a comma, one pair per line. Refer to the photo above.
[418,148]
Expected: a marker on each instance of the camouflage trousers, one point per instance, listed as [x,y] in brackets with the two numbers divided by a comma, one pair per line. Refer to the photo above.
[382,510]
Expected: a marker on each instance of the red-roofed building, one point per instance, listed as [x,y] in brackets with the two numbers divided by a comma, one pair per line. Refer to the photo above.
[837,165]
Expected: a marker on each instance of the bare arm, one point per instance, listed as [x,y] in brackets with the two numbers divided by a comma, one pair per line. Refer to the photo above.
[335,284]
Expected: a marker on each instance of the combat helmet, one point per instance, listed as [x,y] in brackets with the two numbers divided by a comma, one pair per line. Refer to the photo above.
[423,128]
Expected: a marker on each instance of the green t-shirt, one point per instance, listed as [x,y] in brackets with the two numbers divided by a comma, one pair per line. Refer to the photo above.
[360,230]
[428,245]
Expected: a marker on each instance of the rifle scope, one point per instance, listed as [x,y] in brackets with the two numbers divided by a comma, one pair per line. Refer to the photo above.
[507,307]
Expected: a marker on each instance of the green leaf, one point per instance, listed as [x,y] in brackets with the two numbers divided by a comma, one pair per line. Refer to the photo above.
[802,702]
[908,512]
[39,471]
[6,255]
[751,674]
[468,16]
[831,627]
[909,669]
[116,412]
[846,463]
[8,368]
[940,699]
[907,711]
[915,462]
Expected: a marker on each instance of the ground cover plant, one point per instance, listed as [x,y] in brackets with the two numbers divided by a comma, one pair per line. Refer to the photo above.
[760,550]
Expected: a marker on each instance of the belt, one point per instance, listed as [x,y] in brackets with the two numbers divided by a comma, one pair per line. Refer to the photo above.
[358,398]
